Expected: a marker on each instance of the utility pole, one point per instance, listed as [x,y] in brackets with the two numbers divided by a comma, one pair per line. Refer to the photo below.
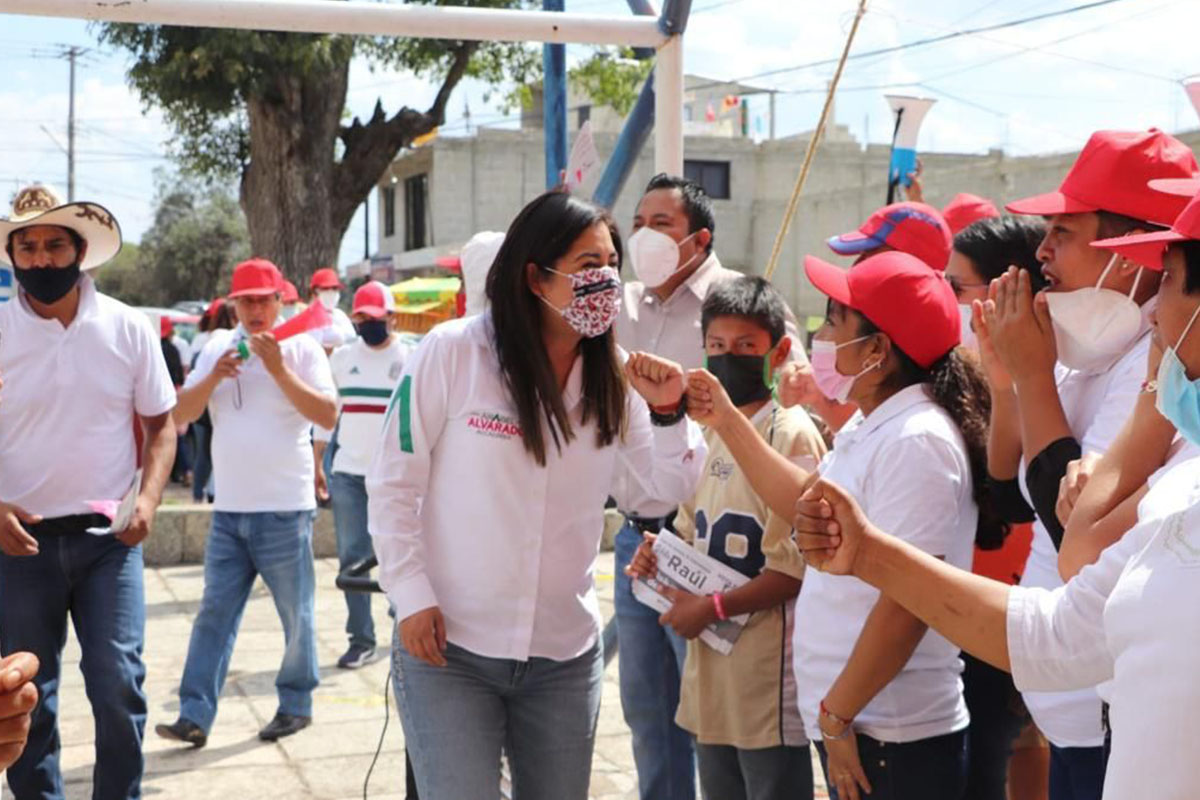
[72,54]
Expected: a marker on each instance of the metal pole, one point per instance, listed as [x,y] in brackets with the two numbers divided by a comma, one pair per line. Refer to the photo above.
[668,108]
[71,55]
[367,229]
[358,17]
[554,103]
[629,147]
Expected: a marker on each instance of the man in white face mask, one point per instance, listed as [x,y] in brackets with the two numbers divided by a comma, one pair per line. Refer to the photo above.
[325,288]
[671,252]
[1069,364]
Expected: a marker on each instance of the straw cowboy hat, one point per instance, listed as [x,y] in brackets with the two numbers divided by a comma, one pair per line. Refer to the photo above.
[39,205]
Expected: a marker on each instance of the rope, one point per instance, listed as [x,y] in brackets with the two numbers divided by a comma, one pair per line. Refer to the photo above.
[812,145]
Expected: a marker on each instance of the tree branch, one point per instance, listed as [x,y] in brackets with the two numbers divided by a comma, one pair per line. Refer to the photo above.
[370,148]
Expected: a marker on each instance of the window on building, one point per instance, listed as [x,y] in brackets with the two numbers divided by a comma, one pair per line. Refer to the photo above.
[712,175]
[582,115]
[416,202]
[389,211]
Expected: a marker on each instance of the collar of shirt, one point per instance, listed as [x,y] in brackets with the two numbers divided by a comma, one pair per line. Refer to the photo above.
[860,426]
[87,307]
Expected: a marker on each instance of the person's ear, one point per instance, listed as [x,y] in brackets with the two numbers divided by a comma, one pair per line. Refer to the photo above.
[782,350]
[879,348]
[703,239]
[533,278]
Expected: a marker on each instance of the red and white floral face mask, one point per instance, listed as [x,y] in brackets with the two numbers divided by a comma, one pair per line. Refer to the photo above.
[597,300]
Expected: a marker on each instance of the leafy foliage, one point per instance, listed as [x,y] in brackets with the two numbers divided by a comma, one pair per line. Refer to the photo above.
[611,77]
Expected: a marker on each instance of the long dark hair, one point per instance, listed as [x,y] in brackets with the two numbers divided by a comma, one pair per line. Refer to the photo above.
[996,243]
[957,384]
[541,234]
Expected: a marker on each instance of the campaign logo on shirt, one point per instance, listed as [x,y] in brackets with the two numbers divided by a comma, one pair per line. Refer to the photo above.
[495,425]
[720,469]
[1179,539]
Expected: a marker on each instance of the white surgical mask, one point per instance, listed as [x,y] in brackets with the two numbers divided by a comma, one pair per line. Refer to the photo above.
[969,340]
[655,256]
[329,298]
[1093,327]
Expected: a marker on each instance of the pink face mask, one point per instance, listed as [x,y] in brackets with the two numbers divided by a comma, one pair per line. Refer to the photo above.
[833,384]
[597,300]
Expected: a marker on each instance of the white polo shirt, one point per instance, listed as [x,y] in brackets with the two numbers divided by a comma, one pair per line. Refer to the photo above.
[1131,618]
[1096,405]
[261,445]
[70,396]
[463,518]
[906,465]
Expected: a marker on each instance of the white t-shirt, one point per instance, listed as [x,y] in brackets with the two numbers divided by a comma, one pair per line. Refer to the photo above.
[461,517]
[1131,618]
[906,464]
[261,445]
[337,333]
[365,379]
[69,401]
[1096,406]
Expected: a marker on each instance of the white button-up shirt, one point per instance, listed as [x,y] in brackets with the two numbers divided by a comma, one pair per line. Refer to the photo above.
[906,465]
[1096,405]
[1132,618]
[463,518]
[69,399]
[671,328]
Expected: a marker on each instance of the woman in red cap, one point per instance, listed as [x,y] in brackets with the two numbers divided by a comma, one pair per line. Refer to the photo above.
[884,696]
[1127,621]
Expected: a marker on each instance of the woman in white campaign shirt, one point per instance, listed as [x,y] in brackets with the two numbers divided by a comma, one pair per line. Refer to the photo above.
[486,505]
[1129,619]
[882,693]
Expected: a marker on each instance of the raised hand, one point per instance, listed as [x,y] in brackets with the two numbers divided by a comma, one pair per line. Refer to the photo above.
[708,402]
[658,380]
[830,528]
[1019,326]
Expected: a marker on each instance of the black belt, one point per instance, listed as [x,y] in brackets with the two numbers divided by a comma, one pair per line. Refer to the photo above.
[75,523]
[652,524]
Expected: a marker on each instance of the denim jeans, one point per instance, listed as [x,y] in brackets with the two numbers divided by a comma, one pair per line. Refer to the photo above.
[458,718]
[1077,773]
[241,546]
[731,773]
[349,496]
[927,769]
[650,659]
[96,580]
[203,452]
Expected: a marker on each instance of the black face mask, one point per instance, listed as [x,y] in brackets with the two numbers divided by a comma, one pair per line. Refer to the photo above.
[744,377]
[48,284]
[374,331]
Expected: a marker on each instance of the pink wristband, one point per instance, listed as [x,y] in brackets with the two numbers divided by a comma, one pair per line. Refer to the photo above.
[718,601]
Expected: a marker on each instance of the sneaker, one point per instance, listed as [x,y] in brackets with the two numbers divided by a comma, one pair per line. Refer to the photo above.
[283,725]
[357,656]
[183,730]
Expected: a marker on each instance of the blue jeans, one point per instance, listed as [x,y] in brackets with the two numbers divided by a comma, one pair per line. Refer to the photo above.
[278,546]
[650,659]
[349,496]
[458,718]
[1077,773]
[98,582]
[927,769]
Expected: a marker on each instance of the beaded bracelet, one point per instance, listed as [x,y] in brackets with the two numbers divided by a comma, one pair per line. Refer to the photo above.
[718,601]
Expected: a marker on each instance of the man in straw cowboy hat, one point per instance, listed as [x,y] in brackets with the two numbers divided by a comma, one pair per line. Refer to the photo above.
[79,368]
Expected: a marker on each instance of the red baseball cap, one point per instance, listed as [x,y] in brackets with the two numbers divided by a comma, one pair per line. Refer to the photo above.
[326,278]
[255,278]
[165,327]
[289,294]
[1147,249]
[1184,187]
[964,209]
[913,228]
[902,295]
[1112,174]
[214,307]
[373,299]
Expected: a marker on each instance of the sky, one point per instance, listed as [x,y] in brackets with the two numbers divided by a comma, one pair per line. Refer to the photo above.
[1034,88]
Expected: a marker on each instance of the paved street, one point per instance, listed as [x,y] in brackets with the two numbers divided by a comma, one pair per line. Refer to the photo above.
[329,760]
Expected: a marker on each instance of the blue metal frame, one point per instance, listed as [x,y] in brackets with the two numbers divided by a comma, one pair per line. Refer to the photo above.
[629,146]
[554,103]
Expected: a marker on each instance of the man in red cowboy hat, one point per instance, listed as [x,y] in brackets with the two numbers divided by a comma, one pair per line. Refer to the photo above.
[77,366]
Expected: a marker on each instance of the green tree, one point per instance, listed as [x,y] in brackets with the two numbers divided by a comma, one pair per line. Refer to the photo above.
[188,253]
[268,109]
